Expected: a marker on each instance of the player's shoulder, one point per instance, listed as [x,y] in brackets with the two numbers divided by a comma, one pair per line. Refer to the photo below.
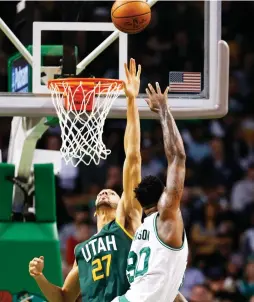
[122,230]
[150,219]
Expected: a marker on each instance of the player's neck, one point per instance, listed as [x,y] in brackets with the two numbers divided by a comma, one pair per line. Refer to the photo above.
[104,216]
[150,211]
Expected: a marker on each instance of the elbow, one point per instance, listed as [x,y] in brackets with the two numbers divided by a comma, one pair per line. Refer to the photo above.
[181,156]
[177,157]
[134,157]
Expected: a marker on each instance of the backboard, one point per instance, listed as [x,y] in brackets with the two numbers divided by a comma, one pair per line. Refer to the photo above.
[182,37]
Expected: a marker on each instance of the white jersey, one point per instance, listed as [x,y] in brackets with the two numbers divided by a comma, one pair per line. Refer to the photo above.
[155,270]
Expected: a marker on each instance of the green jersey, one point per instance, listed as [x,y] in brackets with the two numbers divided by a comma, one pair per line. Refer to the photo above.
[102,262]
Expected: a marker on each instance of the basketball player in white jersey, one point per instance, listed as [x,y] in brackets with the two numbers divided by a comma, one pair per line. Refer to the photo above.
[158,254]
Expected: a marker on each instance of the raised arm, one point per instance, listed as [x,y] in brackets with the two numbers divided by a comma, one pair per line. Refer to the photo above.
[129,210]
[174,149]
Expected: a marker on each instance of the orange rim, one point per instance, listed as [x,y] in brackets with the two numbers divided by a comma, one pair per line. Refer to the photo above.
[86,83]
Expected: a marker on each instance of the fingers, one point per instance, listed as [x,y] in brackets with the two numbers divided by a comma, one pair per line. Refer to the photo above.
[34,271]
[124,87]
[133,68]
[151,88]
[158,88]
[127,71]
[139,71]
[166,91]
[148,92]
[35,275]
[36,261]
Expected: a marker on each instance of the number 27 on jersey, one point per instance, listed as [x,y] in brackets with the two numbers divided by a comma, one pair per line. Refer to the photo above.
[101,267]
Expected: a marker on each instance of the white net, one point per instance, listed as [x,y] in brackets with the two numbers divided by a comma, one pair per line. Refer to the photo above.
[82,113]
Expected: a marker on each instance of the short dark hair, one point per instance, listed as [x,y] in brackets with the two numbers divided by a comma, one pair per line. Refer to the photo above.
[149,191]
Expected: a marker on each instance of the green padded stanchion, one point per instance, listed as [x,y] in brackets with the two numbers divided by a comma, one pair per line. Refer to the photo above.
[20,242]
[45,193]
[6,189]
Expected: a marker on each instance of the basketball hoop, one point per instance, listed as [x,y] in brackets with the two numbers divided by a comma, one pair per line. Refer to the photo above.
[82,106]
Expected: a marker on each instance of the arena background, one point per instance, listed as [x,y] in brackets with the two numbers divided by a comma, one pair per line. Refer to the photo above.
[218,199]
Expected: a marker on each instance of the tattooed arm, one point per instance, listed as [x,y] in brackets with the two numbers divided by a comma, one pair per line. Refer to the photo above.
[174,150]
[169,223]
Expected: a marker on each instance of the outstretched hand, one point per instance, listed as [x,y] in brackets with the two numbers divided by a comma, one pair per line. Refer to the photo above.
[156,99]
[132,83]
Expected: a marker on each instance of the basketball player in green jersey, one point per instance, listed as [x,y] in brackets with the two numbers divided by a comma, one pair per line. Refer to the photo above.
[99,272]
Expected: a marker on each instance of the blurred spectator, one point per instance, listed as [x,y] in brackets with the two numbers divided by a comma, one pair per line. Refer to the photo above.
[235,99]
[82,233]
[246,285]
[222,290]
[247,242]
[201,293]
[233,269]
[150,164]
[187,202]
[197,146]
[204,233]
[243,191]
[192,277]
[219,166]
[81,215]
[114,179]
[247,156]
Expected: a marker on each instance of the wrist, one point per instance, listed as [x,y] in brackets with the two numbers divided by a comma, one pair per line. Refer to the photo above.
[163,110]
[163,107]
[131,98]
[38,277]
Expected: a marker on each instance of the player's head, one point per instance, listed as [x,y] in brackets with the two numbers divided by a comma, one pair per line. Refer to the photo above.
[201,293]
[149,191]
[107,199]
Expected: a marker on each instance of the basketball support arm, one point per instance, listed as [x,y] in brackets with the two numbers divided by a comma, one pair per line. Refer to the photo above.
[25,132]
[15,41]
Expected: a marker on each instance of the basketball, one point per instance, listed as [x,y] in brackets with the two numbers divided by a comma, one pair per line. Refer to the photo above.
[131,16]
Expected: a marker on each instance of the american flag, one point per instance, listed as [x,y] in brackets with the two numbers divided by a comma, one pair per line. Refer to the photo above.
[181,81]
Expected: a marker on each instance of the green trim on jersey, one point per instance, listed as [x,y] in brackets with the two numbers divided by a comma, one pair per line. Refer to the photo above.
[164,244]
[123,299]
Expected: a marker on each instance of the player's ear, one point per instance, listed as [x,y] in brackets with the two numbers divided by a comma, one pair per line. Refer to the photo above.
[95,214]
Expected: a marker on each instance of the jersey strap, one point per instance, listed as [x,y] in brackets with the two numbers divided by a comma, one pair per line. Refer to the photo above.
[124,230]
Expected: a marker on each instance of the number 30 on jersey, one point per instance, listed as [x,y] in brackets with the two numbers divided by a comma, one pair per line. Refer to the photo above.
[137,264]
